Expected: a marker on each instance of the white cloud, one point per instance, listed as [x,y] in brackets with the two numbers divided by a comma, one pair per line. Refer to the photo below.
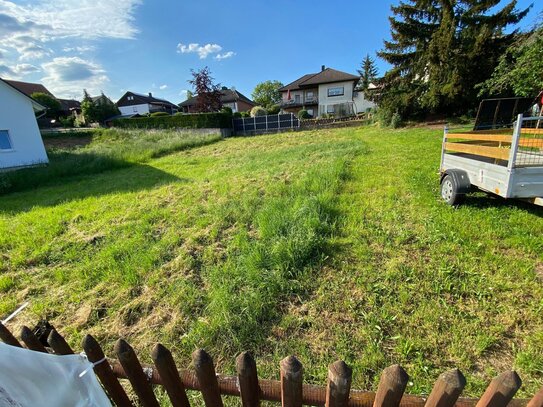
[202,50]
[68,76]
[27,28]
[162,87]
[80,49]
[226,55]
[24,69]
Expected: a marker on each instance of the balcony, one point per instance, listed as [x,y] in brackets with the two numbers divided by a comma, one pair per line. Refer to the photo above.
[299,102]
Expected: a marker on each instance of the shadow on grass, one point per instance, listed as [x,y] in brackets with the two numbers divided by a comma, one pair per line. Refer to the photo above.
[483,201]
[93,176]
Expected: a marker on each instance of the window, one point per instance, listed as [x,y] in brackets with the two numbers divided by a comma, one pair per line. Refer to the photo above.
[5,141]
[297,98]
[330,109]
[339,91]
[309,96]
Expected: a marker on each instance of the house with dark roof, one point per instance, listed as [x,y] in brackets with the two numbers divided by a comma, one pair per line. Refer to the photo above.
[29,88]
[229,97]
[329,92]
[136,103]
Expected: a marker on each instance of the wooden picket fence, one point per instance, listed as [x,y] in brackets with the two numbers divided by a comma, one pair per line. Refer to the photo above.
[290,390]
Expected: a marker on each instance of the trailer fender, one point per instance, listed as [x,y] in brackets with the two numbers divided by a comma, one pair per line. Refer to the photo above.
[461,179]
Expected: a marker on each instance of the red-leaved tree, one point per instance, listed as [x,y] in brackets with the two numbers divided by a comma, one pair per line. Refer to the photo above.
[208,94]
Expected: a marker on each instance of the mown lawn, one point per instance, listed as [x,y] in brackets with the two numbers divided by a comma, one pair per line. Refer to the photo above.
[325,244]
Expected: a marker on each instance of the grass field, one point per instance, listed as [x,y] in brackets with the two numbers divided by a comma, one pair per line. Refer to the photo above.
[324,244]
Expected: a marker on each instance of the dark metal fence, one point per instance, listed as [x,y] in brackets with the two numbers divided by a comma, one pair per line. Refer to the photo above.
[265,124]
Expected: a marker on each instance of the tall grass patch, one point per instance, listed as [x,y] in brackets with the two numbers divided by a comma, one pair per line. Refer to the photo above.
[110,149]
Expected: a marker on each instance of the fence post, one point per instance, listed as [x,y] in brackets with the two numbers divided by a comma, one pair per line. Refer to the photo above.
[447,389]
[30,340]
[7,336]
[205,372]
[105,374]
[134,372]
[291,382]
[292,120]
[267,122]
[169,374]
[501,390]
[339,384]
[248,380]
[59,345]
[537,400]
[391,387]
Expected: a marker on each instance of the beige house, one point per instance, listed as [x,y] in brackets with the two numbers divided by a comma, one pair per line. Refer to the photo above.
[329,92]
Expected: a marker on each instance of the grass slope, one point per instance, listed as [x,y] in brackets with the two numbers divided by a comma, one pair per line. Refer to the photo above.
[330,244]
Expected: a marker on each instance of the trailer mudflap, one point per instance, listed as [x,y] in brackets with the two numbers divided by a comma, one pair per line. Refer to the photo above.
[461,179]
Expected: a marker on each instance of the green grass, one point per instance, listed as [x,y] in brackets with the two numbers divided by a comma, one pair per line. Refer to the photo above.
[109,149]
[324,244]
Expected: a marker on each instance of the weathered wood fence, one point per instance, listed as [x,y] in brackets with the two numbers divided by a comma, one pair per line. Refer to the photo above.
[290,390]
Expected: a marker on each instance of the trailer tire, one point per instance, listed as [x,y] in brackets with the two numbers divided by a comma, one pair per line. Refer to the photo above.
[450,191]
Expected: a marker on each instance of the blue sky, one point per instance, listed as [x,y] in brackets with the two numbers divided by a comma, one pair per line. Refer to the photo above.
[151,46]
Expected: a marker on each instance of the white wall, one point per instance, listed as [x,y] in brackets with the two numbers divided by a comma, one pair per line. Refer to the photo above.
[139,109]
[17,116]
[361,103]
[334,100]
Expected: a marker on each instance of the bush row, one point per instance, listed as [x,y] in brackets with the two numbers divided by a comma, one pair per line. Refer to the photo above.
[177,121]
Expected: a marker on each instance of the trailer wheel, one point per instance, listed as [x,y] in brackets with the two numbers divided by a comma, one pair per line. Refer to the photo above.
[450,191]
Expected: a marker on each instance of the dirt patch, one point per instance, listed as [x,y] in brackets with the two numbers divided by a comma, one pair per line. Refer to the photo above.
[539,271]
[67,142]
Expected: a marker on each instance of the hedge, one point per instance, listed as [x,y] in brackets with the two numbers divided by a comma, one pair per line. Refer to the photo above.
[185,121]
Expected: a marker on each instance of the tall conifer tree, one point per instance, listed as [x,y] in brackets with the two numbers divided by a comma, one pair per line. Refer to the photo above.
[440,50]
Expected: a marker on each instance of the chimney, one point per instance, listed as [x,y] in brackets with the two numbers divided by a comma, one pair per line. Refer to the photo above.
[323,68]
[150,95]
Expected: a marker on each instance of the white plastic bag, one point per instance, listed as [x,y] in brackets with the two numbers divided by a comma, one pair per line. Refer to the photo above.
[29,379]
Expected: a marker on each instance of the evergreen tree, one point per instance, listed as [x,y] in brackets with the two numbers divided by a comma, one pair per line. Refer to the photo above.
[368,73]
[440,50]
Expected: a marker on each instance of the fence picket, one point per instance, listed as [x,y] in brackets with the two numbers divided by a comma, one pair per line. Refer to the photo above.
[248,380]
[132,366]
[58,343]
[205,372]
[447,389]
[537,400]
[7,336]
[31,341]
[169,374]
[501,390]
[339,384]
[391,387]
[105,374]
[291,382]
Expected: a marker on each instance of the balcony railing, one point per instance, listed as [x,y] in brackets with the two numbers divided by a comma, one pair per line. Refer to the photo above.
[299,102]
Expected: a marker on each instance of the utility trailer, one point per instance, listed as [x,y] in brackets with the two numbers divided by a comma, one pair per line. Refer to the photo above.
[506,162]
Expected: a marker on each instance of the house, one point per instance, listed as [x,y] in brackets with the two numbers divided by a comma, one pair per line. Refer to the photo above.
[21,144]
[229,97]
[69,107]
[326,92]
[131,103]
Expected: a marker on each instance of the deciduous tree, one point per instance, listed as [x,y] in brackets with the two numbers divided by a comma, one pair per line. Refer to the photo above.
[267,94]
[208,93]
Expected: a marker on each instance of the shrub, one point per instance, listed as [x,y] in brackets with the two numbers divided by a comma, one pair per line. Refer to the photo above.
[258,111]
[303,114]
[226,110]
[159,114]
[396,120]
[245,114]
[237,115]
[68,121]
[274,109]
[184,121]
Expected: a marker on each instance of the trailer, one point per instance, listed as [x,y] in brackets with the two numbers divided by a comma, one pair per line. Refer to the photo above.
[506,162]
